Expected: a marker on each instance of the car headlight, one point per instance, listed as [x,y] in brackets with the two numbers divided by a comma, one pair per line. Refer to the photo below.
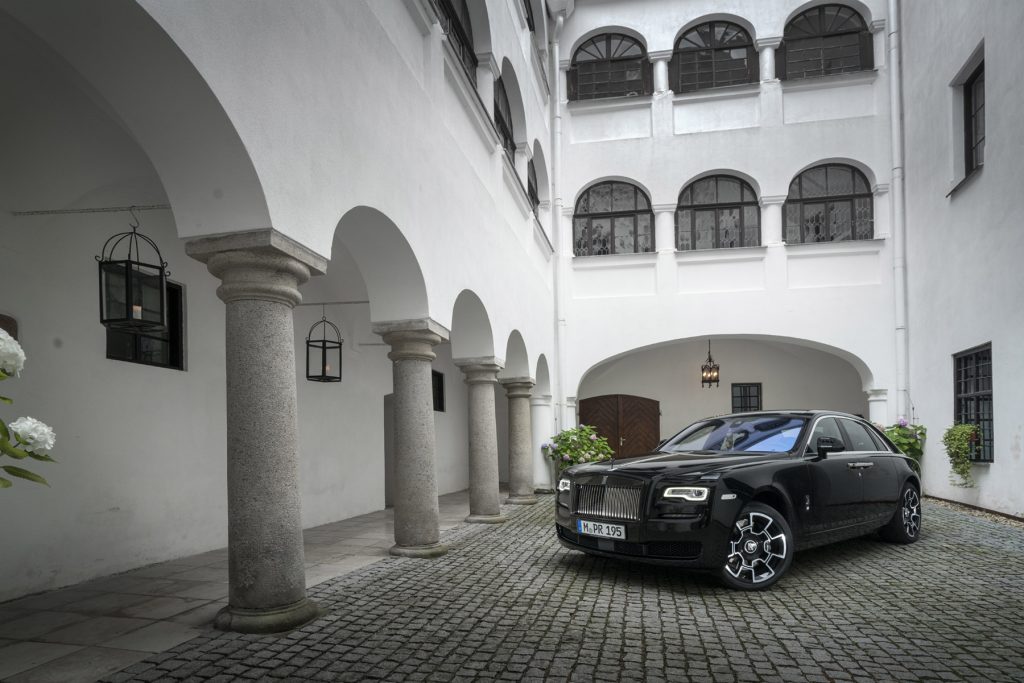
[564,484]
[693,494]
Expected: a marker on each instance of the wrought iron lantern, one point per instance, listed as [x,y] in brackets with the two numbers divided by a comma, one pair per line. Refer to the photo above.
[709,371]
[323,354]
[133,291]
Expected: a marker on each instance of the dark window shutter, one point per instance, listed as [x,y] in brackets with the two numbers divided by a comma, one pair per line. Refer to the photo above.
[780,62]
[673,73]
[867,51]
[753,65]
[570,82]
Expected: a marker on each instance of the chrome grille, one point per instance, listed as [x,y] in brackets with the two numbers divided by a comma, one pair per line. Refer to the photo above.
[613,502]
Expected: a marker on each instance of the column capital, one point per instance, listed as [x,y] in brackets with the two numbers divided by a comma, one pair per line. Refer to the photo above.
[773,200]
[878,394]
[257,264]
[539,400]
[660,55]
[412,344]
[480,370]
[771,41]
[517,387]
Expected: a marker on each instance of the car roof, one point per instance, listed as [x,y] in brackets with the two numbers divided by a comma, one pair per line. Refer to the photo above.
[795,413]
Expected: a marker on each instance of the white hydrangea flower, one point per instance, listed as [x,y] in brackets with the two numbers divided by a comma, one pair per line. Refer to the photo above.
[37,436]
[12,358]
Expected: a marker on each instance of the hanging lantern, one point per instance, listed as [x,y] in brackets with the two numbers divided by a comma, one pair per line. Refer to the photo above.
[323,352]
[709,371]
[133,291]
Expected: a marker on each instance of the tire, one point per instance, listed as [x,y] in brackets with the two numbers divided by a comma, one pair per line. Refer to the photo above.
[905,525]
[760,549]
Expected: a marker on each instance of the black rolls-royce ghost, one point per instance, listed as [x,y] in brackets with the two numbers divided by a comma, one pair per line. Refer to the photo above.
[739,494]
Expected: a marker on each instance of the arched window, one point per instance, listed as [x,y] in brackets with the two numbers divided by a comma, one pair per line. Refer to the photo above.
[609,65]
[829,203]
[613,218]
[830,39]
[531,185]
[454,18]
[712,55]
[503,119]
[717,212]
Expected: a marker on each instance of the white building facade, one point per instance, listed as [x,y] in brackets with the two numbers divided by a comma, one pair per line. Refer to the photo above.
[507,207]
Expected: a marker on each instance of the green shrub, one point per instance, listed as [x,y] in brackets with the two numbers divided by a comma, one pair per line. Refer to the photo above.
[909,438]
[577,445]
[960,441]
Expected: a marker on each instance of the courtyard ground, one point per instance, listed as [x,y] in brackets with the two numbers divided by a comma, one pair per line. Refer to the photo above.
[509,603]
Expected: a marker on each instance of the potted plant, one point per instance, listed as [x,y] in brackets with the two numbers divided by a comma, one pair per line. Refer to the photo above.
[960,441]
[26,437]
[577,445]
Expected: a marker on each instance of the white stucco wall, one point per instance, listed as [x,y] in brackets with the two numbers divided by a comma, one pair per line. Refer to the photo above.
[963,261]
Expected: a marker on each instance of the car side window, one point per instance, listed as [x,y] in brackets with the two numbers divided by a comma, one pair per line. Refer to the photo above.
[826,426]
[859,439]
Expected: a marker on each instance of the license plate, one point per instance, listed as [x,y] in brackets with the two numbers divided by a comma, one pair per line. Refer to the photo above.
[601,529]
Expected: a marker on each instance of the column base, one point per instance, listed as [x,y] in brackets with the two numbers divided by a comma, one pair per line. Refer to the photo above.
[486,519]
[271,620]
[432,550]
[522,500]
[543,490]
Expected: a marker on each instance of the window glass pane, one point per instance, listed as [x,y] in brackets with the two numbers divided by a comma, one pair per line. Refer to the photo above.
[793,224]
[814,227]
[840,222]
[863,229]
[152,350]
[728,190]
[748,194]
[601,236]
[623,197]
[840,180]
[751,227]
[860,440]
[704,191]
[683,227]
[860,185]
[705,224]
[685,198]
[644,234]
[826,427]
[729,228]
[813,183]
[581,245]
[624,241]
[601,198]
[120,345]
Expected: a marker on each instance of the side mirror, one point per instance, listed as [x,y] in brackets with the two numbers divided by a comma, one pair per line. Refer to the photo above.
[828,444]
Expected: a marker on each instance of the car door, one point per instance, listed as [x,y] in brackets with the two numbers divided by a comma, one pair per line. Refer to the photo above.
[876,470]
[836,491]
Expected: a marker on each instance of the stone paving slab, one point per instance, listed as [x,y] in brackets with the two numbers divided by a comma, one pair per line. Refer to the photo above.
[508,603]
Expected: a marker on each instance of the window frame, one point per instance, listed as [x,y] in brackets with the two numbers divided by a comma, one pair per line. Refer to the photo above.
[611,216]
[437,390]
[717,207]
[827,200]
[503,119]
[453,23]
[984,448]
[644,81]
[676,65]
[175,298]
[790,43]
[746,385]
[531,185]
[972,114]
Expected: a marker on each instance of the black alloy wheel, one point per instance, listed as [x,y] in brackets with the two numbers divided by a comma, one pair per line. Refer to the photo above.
[905,525]
[760,549]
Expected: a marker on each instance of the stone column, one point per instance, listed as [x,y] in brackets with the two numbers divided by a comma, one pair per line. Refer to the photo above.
[542,422]
[659,62]
[771,220]
[520,441]
[486,73]
[484,498]
[766,54]
[417,531]
[260,272]
[878,406]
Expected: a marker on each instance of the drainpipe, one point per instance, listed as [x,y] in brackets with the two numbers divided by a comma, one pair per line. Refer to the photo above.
[898,215]
[558,391]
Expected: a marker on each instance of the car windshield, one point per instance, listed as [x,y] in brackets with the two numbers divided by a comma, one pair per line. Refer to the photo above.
[750,433]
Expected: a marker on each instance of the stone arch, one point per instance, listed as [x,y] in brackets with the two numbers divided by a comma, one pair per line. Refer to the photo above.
[617,178]
[517,360]
[724,171]
[471,335]
[859,165]
[542,377]
[625,30]
[717,16]
[515,100]
[161,98]
[394,281]
[862,9]
[540,165]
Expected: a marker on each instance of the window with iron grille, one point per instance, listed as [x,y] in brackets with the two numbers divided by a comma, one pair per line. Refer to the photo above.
[437,385]
[529,15]
[161,349]
[717,212]
[746,397]
[713,55]
[531,185]
[830,39]
[829,203]
[972,381]
[503,120]
[609,65]
[613,218]
[974,120]
[454,18]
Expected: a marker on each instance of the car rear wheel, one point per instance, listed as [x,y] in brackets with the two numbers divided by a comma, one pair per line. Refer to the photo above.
[760,549]
[905,525]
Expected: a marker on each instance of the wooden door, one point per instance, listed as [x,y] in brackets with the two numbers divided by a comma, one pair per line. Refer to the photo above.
[632,424]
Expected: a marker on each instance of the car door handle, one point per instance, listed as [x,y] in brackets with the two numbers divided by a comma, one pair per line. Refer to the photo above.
[860,465]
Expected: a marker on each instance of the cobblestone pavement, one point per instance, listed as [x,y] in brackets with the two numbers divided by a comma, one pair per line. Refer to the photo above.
[509,603]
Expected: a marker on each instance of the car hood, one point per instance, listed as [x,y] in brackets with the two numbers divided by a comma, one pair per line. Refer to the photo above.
[676,464]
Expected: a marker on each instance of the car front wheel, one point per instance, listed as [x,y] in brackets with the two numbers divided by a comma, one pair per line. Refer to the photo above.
[905,525]
[760,549]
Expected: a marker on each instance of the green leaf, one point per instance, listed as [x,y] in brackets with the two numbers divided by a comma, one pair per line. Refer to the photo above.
[5,483]
[8,401]
[4,434]
[8,449]
[24,474]
[41,457]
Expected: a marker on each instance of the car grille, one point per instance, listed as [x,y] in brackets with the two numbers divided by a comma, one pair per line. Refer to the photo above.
[610,502]
[658,549]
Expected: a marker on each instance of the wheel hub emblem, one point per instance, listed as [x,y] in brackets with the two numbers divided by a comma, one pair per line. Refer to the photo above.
[750,546]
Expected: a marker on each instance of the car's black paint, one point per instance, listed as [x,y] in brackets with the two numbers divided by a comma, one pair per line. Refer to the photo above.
[823,496]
